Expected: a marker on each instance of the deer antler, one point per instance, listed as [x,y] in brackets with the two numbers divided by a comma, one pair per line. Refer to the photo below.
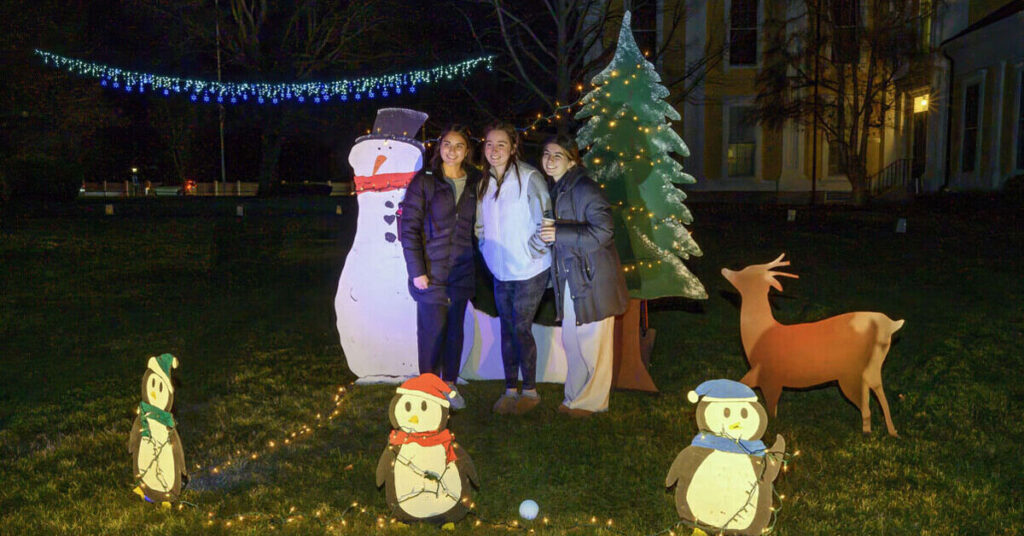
[777,262]
[772,274]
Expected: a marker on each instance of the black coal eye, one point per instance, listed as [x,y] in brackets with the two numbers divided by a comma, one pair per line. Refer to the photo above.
[726,412]
[743,413]
[161,387]
[423,405]
[408,406]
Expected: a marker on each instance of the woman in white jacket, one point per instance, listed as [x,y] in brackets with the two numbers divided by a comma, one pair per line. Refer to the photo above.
[512,201]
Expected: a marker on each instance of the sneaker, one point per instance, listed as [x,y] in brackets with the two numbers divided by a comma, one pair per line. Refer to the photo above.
[526,403]
[456,400]
[506,404]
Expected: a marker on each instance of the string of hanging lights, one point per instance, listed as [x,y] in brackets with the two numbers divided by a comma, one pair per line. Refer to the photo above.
[342,90]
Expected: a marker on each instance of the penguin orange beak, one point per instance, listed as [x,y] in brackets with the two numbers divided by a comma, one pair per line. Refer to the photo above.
[152,395]
[735,425]
[414,419]
[378,163]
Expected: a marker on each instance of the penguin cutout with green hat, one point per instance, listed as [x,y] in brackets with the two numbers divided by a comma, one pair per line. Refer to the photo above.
[158,460]
[724,479]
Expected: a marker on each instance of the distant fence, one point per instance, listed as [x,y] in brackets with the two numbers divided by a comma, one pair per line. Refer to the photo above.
[114,189]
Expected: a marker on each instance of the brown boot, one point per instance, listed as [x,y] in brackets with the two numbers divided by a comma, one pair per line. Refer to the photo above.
[506,404]
[526,403]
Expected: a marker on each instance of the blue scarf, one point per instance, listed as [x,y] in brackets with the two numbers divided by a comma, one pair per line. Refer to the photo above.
[750,447]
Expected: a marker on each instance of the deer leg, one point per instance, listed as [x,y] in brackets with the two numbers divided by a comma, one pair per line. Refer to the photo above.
[880,393]
[750,379]
[865,407]
[856,391]
[771,392]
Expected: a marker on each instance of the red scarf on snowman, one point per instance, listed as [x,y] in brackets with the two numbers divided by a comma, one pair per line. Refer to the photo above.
[383,182]
[426,439]
[430,386]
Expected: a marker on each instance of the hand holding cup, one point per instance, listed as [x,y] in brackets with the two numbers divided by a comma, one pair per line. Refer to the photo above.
[547,230]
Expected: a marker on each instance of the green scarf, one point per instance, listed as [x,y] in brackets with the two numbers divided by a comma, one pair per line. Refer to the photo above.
[149,411]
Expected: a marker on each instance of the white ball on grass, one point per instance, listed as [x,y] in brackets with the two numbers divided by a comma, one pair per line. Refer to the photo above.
[528,509]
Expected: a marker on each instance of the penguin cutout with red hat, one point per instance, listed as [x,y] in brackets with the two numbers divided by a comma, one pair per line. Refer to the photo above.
[376,316]
[724,478]
[158,460]
[427,475]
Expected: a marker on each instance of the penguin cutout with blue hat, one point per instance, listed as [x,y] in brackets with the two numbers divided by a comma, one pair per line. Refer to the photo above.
[724,479]
[158,460]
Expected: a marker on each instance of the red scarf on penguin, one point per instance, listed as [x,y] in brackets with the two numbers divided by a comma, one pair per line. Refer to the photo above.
[427,386]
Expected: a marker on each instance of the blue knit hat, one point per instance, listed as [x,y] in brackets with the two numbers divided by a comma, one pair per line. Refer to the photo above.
[722,391]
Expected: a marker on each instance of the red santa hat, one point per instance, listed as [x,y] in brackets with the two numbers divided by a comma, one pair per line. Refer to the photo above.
[427,386]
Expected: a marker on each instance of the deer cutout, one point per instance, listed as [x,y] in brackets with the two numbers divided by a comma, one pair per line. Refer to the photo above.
[849,348]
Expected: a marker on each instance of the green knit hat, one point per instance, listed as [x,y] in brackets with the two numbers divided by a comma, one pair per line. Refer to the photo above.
[162,365]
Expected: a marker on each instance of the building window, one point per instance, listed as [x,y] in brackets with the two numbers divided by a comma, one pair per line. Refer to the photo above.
[743,32]
[742,142]
[833,159]
[1020,121]
[645,26]
[846,21]
[972,111]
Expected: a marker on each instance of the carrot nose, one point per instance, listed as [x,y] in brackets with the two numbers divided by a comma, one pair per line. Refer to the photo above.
[378,162]
[414,419]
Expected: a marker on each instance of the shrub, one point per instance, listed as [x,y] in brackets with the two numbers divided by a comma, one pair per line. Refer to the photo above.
[42,177]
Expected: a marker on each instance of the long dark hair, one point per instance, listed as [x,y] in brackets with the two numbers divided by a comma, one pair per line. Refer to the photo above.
[461,130]
[568,144]
[513,158]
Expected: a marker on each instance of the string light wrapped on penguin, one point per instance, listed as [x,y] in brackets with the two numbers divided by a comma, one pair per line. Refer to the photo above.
[158,460]
[427,475]
[723,479]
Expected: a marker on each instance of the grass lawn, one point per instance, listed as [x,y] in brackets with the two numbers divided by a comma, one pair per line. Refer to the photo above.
[247,306]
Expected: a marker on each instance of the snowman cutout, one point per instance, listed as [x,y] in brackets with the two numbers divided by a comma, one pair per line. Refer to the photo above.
[376,316]
[723,479]
[427,475]
[158,460]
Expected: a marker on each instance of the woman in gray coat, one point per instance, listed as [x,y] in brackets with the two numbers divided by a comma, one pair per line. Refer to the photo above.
[587,275]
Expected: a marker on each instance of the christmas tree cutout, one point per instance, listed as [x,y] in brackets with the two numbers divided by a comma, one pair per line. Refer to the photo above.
[630,143]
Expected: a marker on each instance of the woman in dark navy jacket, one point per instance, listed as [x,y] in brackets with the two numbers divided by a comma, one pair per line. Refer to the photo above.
[438,216]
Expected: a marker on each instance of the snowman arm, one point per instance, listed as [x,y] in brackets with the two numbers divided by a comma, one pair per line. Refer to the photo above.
[774,459]
[684,465]
[135,435]
[413,208]
[179,454]
[465,464]
[385,465]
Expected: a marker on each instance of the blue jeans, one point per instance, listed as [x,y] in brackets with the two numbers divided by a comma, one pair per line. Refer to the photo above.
[439,333]
[517,303]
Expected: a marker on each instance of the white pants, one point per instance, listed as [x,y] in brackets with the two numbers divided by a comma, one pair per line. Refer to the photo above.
[589,358]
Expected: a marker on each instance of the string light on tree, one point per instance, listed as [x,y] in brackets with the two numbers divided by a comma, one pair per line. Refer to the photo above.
[637,173]
[318,92]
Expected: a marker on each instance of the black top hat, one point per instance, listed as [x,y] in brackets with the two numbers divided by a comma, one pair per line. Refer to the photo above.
[399,124]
